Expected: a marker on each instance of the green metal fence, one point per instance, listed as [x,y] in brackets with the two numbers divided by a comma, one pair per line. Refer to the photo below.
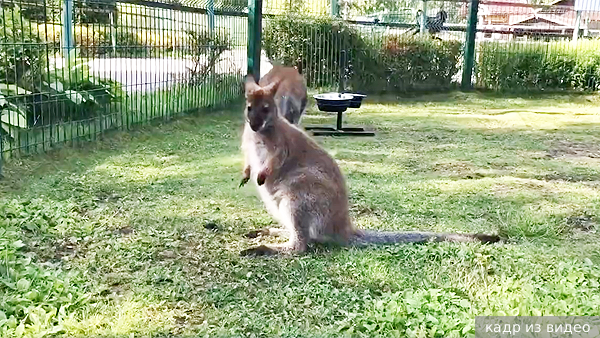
[378,46]
[408,45]
[71,71]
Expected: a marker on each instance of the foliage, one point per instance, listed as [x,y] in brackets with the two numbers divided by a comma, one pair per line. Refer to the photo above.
[394,63]
[448,312]
[539,66]
[408,64]
[206,49]
[61,95]
[95,11]
[312,45]
[22,57]
[390,6]
[85,11]
[35,297]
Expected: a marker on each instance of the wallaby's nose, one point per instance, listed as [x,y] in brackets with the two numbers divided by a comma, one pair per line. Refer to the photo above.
[256,125]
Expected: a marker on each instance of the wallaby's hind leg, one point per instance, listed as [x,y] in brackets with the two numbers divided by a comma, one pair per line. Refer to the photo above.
[273,209]
[275,232]
[296,223]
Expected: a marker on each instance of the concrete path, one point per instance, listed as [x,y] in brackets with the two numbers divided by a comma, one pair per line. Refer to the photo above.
[147,74]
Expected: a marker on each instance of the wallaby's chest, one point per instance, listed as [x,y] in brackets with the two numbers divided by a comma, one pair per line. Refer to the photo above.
[258,151]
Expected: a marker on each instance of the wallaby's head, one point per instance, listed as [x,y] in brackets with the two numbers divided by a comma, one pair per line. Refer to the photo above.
[261,109]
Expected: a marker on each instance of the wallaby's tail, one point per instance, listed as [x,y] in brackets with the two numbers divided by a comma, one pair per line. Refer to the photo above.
[365,237]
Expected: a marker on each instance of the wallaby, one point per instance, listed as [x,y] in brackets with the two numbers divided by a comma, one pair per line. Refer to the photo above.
[302,186]
[291,94]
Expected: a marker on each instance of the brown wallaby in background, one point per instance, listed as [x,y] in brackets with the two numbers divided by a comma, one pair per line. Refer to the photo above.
[291,94]
[302,187]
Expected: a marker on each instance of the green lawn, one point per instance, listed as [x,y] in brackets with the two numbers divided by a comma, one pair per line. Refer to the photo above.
[139,235]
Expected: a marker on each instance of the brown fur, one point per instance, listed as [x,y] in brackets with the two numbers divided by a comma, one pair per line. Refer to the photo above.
[291,94]
[302,186]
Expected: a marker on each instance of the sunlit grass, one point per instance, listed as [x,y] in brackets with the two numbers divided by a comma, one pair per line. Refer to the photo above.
[156,223]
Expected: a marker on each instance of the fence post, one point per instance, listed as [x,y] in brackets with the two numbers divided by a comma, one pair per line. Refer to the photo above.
[335,8]
[67,31]
[210,11]
[577,26]
[113,32]
[1,152]
[424,18]
[254,37]
[469,59]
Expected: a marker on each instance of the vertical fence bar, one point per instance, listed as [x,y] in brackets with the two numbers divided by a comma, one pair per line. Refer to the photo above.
[113,31]
[469,59]
[1,151]
[577,27]
[254,37]
[424,18]
[210,11]
[335,8]
[67,31]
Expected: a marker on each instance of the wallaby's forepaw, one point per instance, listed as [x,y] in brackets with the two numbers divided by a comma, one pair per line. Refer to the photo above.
[256,233]
[262,177]
[261,250]
[244,181]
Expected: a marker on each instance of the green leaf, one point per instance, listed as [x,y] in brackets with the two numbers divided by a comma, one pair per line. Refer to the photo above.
[14,117]
[32,295]
[18,244]
[56,85]
[23,284]
[13,89]
[20,330]
[74,96]
[370,327]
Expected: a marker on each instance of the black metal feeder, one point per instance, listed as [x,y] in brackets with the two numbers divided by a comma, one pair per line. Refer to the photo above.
[338,103]
[356,100]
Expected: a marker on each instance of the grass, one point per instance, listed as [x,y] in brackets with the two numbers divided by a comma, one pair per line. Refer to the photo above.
[139,234]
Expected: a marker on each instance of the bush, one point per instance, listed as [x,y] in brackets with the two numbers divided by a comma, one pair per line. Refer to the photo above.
[539,66]
[312,45]
[206,50]
[392,63]
[31,94]
[411,64]
[21,52]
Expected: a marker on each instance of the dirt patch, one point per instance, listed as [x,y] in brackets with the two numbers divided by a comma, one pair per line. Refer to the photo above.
[124,231]
[582,224]
[364,210]
[569,177]
[459,169]
[569,149]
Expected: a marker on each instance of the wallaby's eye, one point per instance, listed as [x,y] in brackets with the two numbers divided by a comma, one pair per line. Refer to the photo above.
[266,108]
[249,108]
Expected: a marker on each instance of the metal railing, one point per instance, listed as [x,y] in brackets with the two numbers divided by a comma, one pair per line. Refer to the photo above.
[74,70]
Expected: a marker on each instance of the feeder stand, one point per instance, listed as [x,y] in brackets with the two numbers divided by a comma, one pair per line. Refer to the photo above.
[338,103]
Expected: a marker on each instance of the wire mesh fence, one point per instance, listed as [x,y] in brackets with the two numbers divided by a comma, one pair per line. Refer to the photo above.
[392,46]
[412,45]
[72,70]
[72,75]
[551,46]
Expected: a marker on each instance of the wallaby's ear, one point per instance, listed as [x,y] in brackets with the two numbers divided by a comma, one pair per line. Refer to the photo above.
[250,84]
[271,88]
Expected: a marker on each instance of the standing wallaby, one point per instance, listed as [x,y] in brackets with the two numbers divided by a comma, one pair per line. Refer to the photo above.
[301,186]
[291,94]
